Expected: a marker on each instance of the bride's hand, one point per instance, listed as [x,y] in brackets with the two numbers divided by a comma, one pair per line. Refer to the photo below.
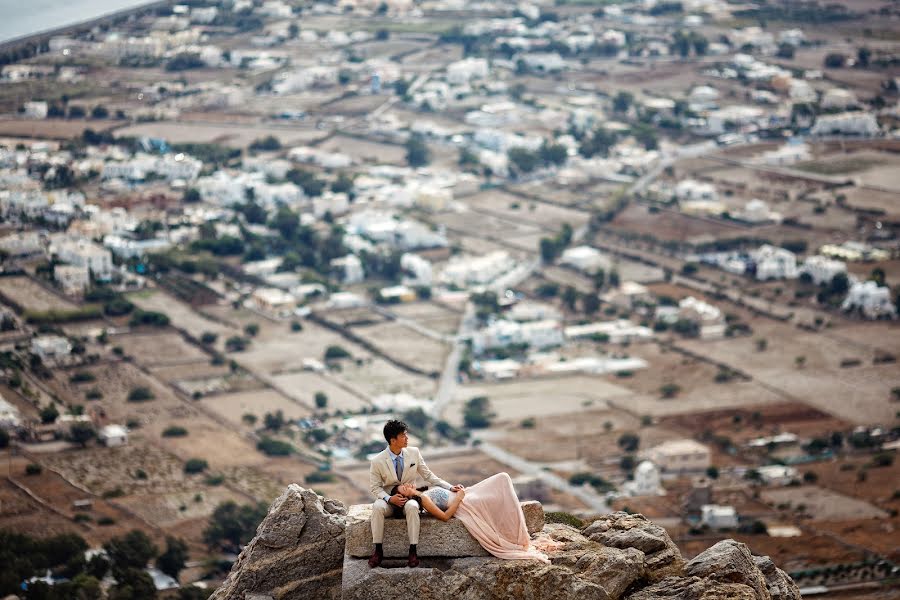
[461,494]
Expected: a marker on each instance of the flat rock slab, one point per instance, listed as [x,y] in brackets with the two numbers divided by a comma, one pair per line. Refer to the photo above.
[436,538]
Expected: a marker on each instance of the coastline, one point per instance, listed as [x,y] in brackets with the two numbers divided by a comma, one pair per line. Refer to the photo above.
[37,39]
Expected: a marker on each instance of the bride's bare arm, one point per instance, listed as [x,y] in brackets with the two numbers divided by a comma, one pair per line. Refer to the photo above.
[432,509]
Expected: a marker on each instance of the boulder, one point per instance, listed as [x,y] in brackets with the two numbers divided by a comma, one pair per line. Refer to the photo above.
[623,530]
[730,561]
[297,553]
[693,588]
[436,538]
[780,584]
[579,568]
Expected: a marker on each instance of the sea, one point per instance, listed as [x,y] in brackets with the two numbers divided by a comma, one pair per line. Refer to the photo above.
[19,18]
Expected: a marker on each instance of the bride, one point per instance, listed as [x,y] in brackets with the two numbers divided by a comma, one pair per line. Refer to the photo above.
[491,512]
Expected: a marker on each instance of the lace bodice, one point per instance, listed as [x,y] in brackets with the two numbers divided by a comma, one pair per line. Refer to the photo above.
[440,497]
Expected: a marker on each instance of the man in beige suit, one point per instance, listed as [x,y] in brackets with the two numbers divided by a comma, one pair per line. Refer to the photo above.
[397,464]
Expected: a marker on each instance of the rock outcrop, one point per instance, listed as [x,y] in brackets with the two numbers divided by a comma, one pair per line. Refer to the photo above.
[298,552]
[303,549]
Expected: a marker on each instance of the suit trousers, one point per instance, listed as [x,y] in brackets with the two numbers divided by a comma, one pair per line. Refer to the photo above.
[381,509]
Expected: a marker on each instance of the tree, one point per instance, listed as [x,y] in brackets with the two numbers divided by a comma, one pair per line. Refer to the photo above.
[312,186]
[835,60]
[195,465]
[251,329]
[800,361]
[785,51]
[236,344]
[570,297]
[99,112]
[321,400]
[712,472]
[172,561]
[272,447]
[477,413]
[208,338]
[133,584]
[234,525]
[335,353]
[863,55]
[590,303]
[49,414]
[191,196]
[629,442]
[524,160]
[268,143]
[4,438]
[622,101]
[417,153]
[140,394]
[82,433]
[669,390]
[274,421]
[134,550]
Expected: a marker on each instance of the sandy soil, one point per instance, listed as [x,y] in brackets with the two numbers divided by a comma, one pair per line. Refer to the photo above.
[31,296]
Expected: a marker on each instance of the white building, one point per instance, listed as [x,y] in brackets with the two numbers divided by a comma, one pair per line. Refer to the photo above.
[848,123]
[679,456]
[464,71]
[839,98]
[774,263]
[690,189]
[777,475]
[646,481]
[350,268]
[586,259]
[464,271]
[85,253]
[113,435]
[417,270]
[629,295]
[822,269]
[36,109]
[757,211]
[709,318]
[274,301]
[715,516]
[617,332]
[872,301]
[787,154]
[51,347]
[502,333]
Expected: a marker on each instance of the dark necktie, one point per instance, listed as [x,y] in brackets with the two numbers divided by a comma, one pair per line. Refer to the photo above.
[398,466]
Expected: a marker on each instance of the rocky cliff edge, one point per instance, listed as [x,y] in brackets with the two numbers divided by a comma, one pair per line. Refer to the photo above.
[299,553]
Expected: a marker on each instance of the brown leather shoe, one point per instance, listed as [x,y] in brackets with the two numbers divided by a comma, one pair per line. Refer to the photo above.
[413,561]
[375,559]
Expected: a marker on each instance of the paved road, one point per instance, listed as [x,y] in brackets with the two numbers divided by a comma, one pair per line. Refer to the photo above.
[586,494]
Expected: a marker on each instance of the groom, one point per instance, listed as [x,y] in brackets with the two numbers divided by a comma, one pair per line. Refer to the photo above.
[397,464]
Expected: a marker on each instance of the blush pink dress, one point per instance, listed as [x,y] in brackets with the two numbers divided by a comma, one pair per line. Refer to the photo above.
[491,513]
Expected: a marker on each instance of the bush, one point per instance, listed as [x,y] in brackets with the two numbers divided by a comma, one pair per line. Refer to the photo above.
[477,414]
[195,465]
[149,318]
[105,521]
[236,344]
[82,377]
[174,431]
[336,353]
[140,394]
[208,338]
[563,518]
[321,400]
[296,326]
[669,390]
[33,469]
[629,442]
[215,480]
[319,477]
[528,423]
[272,447]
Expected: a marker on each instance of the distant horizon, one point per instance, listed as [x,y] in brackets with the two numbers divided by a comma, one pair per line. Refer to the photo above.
[42,16]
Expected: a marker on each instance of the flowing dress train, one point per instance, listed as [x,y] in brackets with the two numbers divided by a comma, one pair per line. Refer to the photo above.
[492,514]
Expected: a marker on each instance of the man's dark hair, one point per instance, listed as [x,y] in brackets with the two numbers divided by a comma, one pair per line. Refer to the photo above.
[393,428]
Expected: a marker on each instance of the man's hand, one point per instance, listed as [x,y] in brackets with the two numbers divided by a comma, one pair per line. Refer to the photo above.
[398,500]
[457,487]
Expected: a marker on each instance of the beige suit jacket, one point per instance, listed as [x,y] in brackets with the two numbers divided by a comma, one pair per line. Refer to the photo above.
[382,477]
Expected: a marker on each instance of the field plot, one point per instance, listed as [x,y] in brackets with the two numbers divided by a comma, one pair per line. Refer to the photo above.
[302,387]
[877,535]
[22,514]
[376,376]
[516,400]
[170,509]
[668,225]
[873,199]
[190,372]
[181,315]
[236,136]
[275,348]
[213,383]
[863,392]
[844,476]
[159,349]
[52,128]
[234,406]
[363,150]
[430,315]
[352,106]
[518,209]
[31,296]
[405,345]
[105,469]
[822,504]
